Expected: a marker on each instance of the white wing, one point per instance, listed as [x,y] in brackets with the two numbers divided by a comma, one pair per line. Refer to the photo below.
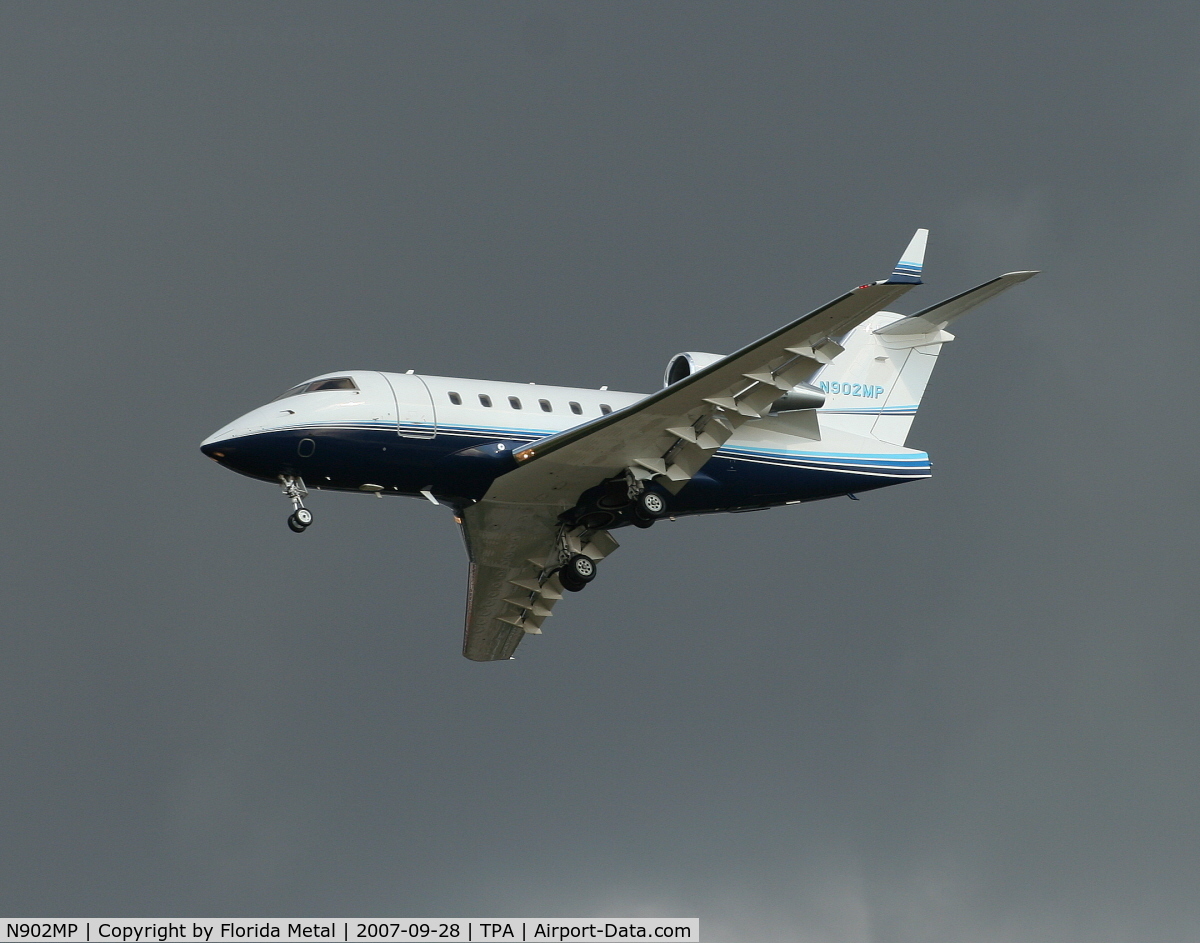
[514,549]
[514,535]
[669,435]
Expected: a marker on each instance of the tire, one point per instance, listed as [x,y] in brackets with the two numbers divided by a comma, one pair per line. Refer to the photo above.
[580,569]
[295,525]
[569,583]
[651,504]
[303,516]
[648,508]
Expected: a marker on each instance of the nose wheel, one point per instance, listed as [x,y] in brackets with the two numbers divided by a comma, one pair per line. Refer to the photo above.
[301,517]
[299,520]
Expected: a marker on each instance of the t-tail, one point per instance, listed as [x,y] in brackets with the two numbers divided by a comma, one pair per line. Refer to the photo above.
[875,386]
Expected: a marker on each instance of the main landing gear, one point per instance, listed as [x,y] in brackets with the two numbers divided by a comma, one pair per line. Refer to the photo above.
[301,517]
[577,572]
[618,501]
[615,501]
[648,507]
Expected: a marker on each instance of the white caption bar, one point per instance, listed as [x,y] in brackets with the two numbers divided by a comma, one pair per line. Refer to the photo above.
[344,929]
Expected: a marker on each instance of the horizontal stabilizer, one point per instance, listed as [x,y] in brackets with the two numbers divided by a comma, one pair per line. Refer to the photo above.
[939,315]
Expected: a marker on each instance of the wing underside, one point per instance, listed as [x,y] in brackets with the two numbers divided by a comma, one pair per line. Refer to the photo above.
[514,550]
[516,536]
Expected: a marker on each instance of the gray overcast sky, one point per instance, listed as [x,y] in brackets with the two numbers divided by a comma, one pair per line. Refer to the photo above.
[959,710]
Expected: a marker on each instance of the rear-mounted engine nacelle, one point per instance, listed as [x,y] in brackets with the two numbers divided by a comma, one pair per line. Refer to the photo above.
[687,363]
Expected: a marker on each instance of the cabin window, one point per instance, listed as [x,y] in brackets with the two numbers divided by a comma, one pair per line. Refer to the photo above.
[455,399]
[545,404]
[576,409]
[605,408]
[514,402]
[485,400]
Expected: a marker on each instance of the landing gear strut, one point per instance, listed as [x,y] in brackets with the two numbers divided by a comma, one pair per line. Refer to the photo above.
[301,517]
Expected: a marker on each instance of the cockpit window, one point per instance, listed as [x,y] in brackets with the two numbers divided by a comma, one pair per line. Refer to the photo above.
[319,386]
[334,383]
[294,391]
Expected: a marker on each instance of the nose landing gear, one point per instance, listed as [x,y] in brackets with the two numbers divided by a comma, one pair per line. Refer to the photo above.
[301,517]
[299,520]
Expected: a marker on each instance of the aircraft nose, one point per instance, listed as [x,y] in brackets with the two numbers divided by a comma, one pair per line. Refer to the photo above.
[259,454]
[217,451]
[243,455]
[221,443]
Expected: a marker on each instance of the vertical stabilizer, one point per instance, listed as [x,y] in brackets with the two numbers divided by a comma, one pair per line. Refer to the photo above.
[875,386]
[914,357]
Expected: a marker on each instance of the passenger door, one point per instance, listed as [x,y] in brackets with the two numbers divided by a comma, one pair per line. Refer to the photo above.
[415,415]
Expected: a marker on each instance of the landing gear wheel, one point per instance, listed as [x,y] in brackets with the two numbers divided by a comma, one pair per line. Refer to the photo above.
[577,572]
[649,507]
[293,488]
[651,504]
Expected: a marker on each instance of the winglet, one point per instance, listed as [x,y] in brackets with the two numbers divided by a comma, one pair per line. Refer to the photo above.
[908,269]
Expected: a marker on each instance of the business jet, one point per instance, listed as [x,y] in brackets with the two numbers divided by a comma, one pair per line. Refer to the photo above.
[538,476]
